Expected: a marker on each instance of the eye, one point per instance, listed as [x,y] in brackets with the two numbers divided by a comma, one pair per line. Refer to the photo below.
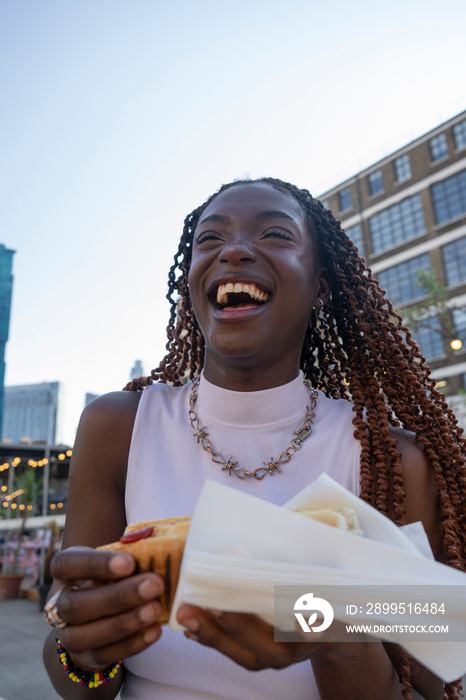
[206,236]
[277,233]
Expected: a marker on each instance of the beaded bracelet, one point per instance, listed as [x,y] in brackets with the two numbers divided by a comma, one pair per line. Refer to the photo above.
[77,675]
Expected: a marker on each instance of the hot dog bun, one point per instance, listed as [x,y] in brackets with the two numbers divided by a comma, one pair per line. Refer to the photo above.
[160,552]
[339,516]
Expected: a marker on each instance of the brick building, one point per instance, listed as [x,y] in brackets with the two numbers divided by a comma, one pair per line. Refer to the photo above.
[407,213]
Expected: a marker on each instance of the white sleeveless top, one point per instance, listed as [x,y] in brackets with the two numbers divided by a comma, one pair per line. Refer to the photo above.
[166,472]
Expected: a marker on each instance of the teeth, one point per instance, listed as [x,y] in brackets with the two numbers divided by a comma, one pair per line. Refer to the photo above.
[254,292]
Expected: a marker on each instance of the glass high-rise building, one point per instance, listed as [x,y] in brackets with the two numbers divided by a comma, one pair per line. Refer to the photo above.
[6,285]
[31,411]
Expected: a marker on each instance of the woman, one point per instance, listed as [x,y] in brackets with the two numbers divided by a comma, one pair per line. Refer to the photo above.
[271,290]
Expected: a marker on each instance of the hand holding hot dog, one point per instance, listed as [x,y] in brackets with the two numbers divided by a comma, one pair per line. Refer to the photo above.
[105,622]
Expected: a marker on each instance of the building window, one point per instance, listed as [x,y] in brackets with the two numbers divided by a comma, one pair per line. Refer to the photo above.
[396,224]
[459,134]
[355,233]
[454,260]
[402,168]
[345,199]
[375,182]
[429,338]
[401,282]
[449,197]
[325,203]
[439,147]
[459,321]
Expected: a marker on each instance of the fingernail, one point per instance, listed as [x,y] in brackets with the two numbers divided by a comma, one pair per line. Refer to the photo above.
[191,623]
[148,613]
[151,635]
[148,589]
[215,612]
[120,565]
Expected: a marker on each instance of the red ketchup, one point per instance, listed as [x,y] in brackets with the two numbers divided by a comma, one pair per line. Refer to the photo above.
[136,535]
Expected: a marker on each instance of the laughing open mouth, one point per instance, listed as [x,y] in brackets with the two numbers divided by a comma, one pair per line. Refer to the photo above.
[240,295]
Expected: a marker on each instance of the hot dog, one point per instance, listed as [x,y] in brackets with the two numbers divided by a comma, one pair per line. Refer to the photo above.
[158,545]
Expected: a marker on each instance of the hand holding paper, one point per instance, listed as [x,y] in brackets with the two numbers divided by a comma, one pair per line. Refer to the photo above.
[240,547]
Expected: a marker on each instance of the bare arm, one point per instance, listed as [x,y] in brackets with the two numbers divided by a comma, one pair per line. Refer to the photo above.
[105,623]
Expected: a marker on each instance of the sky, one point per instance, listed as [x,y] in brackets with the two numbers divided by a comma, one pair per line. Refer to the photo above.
[121,116]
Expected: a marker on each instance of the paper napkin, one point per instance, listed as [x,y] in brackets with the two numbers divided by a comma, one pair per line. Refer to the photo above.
[239,547]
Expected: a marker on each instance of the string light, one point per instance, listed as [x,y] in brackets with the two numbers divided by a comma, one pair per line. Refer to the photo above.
[8,498]
[13,495]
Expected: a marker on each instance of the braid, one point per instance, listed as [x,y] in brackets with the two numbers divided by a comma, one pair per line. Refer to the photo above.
[356,348]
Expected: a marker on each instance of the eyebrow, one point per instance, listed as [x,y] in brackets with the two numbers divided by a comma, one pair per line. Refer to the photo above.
[263,215]
[216,218]
[274,214]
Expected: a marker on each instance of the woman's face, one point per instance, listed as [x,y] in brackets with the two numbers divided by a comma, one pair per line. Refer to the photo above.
[253,280]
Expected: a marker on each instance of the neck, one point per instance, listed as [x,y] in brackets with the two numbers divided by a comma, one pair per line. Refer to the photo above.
[244,378]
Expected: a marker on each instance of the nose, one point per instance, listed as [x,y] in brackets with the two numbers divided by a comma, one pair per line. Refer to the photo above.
[236,252]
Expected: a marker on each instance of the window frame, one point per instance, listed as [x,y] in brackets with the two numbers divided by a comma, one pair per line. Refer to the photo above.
[436,153]
[460,128]
[354,233]
[397,224]
[404,278]
[453,254]
[375,179]
[405,159]
[448,198]
[342,193]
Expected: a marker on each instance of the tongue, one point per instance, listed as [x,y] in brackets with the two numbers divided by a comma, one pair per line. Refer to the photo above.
[240,300]
[243,307]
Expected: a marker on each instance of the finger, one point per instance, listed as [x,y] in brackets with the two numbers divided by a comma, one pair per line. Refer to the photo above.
[203,628]
[77,563]
[109,631]
[250,632]
[77,607]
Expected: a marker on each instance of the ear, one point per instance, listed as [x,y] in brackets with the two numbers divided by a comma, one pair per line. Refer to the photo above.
[323,291]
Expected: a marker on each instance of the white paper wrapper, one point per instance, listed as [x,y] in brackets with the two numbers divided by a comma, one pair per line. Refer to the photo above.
[239,547]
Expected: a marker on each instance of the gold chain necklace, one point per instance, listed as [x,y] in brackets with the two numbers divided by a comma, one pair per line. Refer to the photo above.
[270,467]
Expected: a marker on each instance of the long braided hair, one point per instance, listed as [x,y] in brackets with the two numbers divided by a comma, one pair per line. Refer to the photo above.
[355,348]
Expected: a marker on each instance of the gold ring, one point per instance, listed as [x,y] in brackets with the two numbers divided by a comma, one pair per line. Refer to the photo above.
[51,613]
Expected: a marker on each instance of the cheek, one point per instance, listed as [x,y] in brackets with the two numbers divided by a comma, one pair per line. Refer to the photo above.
[303,271]
[193,276]
[195,292]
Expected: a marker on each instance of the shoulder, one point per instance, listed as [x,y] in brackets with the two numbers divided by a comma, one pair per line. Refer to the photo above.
[421,498]
[115,406]
[104,432]
[108,420]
